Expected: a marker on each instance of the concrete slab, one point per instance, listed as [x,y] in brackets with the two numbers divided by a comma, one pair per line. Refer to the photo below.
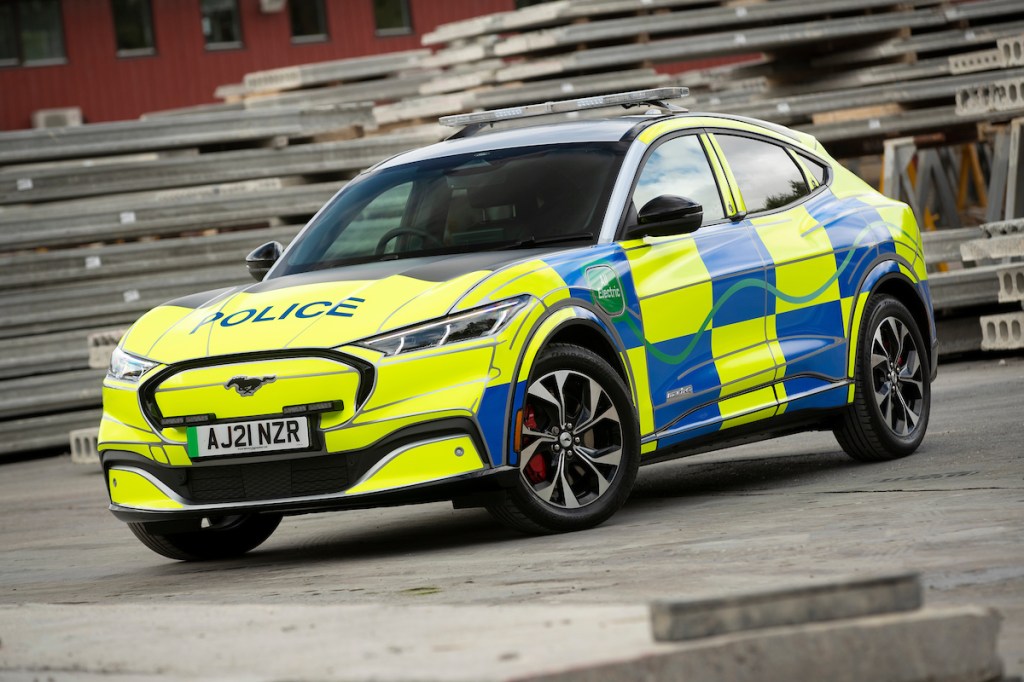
[677,620]
[595,644]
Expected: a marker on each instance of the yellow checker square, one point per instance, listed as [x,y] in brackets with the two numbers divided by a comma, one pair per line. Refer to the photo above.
[797,237]
[742,360]
[772,334]
[676,264]
[806,283]
[748,407]
[677,313]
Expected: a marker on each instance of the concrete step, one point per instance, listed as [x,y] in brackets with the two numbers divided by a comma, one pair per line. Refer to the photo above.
[679,620]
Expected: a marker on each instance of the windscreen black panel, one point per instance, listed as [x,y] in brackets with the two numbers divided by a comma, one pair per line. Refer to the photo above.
[497,199]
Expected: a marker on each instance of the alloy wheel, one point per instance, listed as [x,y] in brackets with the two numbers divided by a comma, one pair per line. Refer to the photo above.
[571,439]
[897,376]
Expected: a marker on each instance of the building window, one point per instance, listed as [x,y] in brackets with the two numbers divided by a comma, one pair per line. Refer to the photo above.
[133,27]
[392,17]
[309,23]
[31,32]
[221,26]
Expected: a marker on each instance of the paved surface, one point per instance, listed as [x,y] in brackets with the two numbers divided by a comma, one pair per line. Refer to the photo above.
[421,592]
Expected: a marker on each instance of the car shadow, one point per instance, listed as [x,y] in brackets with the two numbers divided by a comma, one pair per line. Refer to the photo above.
[438,529]
[686,478]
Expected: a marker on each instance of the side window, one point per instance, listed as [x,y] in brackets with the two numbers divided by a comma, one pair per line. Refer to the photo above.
[767,176]
[680,167]
[817,171]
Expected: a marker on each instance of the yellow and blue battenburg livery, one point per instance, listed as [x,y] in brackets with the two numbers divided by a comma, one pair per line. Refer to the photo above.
[518,320]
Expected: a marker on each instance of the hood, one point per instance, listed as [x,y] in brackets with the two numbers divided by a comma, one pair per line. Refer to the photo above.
[320,309]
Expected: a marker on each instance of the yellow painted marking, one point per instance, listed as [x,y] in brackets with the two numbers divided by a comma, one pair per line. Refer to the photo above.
[742,359]
[423,464]
[642,390]
[734,187]
[743,409]
[129,489]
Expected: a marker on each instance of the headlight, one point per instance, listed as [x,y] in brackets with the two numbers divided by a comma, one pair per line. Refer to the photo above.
[472,324]
[127,367]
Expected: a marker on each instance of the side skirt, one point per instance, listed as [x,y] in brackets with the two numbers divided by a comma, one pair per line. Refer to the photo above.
[774,427]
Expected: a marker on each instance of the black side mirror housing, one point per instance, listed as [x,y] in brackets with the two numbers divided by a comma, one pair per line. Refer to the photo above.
[262,258]
[666,215]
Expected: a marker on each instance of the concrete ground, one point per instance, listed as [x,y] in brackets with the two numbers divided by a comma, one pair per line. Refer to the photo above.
[431,593]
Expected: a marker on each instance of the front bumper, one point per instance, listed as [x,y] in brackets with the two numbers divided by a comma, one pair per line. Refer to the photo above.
[430,462]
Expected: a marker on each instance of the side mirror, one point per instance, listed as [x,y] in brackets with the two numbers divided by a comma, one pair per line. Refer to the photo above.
[262,258]
[666,215]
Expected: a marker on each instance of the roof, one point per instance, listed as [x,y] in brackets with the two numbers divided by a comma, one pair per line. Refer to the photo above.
[566,132]
[575,132]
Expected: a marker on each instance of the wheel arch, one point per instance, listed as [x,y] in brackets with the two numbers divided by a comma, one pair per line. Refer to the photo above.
[891,278]
[575,324]
[906,293]
[587,334]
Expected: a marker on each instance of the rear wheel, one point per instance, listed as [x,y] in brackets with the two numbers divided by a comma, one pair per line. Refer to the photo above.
[222,537]
[892,399]
[579,446]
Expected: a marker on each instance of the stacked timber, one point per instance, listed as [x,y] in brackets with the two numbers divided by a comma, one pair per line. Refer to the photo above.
[852,72]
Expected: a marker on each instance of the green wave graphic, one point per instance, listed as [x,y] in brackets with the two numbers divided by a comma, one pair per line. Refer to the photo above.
[770,288]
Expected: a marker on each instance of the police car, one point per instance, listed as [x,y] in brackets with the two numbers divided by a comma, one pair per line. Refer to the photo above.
[520,318]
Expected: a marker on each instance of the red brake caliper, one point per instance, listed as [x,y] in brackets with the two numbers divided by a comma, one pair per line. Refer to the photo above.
[537,468]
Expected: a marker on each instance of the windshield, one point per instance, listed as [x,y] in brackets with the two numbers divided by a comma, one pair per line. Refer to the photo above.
[505,198]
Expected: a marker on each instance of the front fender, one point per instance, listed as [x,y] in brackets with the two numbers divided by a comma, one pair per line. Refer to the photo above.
[557,319]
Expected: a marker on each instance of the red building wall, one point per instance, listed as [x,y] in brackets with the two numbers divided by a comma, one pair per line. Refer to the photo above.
[183,72]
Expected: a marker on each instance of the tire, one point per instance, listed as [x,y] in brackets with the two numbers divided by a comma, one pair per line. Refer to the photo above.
[224,538]
[892,361]
[581,446]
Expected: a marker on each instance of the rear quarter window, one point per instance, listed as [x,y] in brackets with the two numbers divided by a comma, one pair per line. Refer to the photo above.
[767,176]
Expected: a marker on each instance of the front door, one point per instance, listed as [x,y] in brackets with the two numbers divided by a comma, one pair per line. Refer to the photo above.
[702,300]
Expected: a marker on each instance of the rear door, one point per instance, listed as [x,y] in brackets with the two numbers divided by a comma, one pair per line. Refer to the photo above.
[702,301]
[804,321]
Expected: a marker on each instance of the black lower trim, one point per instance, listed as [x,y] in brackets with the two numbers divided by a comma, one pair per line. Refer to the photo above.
[285,475]
[819,419]
[470,486]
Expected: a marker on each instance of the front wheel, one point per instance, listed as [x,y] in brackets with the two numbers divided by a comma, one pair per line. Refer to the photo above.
[892,395]
[223,537]
[579,445]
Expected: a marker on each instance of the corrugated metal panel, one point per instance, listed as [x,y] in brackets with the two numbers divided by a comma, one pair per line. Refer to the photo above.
[184,72]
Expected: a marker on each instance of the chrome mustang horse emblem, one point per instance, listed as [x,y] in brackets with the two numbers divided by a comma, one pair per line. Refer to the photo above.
[246,386]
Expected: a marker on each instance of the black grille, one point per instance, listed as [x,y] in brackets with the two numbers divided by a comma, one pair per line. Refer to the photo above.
[268,480]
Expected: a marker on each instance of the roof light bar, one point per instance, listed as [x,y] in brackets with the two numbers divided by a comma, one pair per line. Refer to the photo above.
[653,96]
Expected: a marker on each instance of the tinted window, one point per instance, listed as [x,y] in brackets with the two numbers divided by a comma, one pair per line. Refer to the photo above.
[392,16]
[681,168]
[500,199]
[767,176]
[133,26]
[220,23]
[308,20]
[8,34]
[817,171]
[30,31]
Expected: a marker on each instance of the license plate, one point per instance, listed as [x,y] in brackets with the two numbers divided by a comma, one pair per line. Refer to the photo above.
[238,438]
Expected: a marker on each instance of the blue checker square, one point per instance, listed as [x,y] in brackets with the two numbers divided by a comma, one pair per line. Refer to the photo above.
[770,301]
[738,298]
[851,266]
[825,319]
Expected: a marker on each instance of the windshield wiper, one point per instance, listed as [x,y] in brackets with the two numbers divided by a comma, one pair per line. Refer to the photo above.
[542,241]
